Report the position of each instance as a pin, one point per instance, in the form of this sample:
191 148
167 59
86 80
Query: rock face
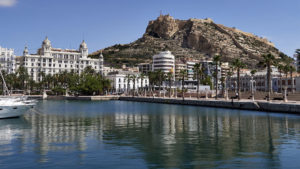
193 38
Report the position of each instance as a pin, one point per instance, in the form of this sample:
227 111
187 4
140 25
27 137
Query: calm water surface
119 134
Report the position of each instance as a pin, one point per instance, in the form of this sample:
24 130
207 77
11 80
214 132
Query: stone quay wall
279 107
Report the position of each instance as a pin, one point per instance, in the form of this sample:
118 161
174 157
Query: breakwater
281 107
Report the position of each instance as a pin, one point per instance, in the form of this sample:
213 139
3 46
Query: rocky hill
193 38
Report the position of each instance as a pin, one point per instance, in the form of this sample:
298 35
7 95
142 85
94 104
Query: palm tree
170 78
23 77
152 79
128 78
216 61
286 70
198 70
133 78
268 61
182 75
160 77
238 65
292 70
142 77
280 69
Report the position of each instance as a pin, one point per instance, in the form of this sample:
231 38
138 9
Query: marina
125 134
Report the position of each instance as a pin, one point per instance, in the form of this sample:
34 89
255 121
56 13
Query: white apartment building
190 69
7 60
54 60
164 61
179 66
119 81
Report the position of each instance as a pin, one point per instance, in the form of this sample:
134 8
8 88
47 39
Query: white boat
13 106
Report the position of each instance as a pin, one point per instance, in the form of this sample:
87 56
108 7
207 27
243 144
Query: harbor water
123 134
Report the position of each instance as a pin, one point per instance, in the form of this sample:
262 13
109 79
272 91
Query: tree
238 65
216 61
170 78
292 70
23 77
152 79
198 72
182 75
128 79
133 78
142 77
280 68
268 61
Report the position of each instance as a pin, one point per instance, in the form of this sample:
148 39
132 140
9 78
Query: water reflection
159 135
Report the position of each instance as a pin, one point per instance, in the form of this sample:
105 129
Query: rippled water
119 134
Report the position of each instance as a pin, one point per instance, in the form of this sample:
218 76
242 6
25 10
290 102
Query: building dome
83 45
25 50
47 42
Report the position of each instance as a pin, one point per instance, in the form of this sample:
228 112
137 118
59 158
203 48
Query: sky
103 23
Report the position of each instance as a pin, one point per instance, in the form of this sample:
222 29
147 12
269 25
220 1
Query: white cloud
7 3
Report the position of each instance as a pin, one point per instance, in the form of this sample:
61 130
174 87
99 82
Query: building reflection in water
172 136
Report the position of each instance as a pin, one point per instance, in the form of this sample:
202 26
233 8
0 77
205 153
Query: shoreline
291 107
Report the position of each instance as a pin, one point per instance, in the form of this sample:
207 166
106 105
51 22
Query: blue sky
103 23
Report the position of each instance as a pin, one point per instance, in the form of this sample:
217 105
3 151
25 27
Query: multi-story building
260 80
54 60
164 61
145 67
179 66
119 81
190 69
7 60
107 70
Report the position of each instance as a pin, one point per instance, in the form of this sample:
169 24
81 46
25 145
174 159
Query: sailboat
10 106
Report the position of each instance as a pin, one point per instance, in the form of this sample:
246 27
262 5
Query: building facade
179 66
7 60
145 68
54 60
164 61
190 69
119 81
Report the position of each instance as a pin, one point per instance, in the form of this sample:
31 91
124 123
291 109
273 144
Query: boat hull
13 111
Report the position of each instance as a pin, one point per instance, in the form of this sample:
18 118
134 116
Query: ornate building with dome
55 60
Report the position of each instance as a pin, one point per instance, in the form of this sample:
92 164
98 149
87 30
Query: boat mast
5 89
